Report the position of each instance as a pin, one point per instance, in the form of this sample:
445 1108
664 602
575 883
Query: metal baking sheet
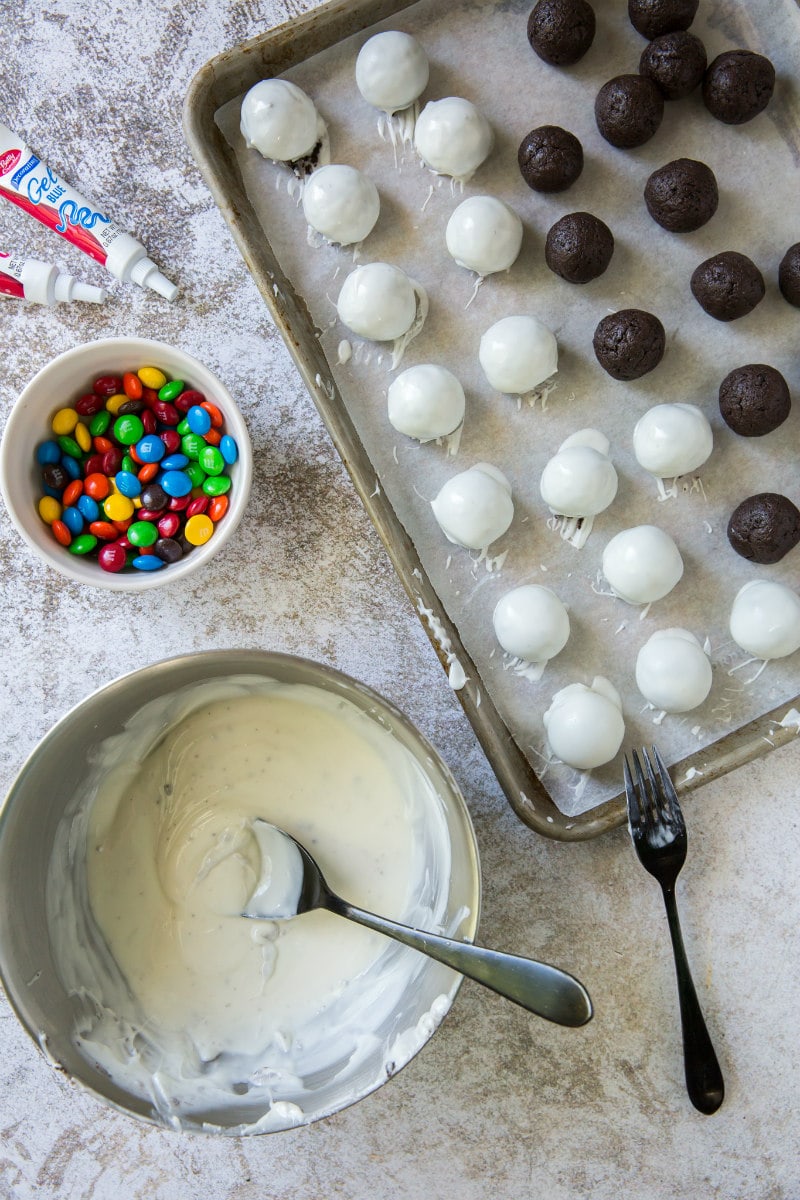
227 77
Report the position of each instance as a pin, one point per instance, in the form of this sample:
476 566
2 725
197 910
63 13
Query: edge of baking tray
230 74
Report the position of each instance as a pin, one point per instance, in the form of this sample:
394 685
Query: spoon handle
541 989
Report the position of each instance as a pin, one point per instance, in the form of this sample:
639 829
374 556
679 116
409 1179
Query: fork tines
653 800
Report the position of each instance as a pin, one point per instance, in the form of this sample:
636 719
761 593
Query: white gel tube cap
580 480
484 235
518 354
341 203
452 137
672 439
475 507
765 619
531 623
672 671
146 274
391 71
280 120
426 402
584 724
642 564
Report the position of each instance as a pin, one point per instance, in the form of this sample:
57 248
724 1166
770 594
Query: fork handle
704 1081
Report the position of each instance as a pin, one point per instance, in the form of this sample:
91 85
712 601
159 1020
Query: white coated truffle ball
584 724
475 507
426 402
280 120
580 480
341 203
378 301
531 623
672 439
484 235
672 671
642 564
452 137
391 71
517 354
765 619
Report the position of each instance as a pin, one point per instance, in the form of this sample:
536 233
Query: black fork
658 832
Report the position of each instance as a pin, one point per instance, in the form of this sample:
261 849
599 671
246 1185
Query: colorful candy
135 471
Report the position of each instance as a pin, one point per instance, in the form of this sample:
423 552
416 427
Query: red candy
149 421
112 461
149 514
166 413
89 404
93 465
198 505
107 385
112 556
169 524
179 503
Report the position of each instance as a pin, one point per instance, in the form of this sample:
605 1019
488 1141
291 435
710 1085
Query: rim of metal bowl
334 679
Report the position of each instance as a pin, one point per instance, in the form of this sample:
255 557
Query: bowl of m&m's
126 464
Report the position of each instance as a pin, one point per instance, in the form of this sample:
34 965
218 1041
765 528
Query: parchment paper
478 49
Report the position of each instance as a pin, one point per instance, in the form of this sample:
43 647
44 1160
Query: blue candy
128 483
198 420
150 448
176 483
174 462
88 508
73 519
147 562
71 466
48 452
228 449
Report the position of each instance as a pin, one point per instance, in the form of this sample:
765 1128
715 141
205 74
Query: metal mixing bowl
35 806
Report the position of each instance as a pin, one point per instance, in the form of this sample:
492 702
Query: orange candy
71 492
217 419
105 530
132 386
102 445
96 486
61 533
147 472
213 437
217 508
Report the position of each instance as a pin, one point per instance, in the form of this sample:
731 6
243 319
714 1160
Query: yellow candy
64 422
115 403
198 529
151 377
118 507
82 436
49 509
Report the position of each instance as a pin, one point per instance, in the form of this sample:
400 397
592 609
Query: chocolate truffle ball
682 195
728 285
675 62
579 247
654 17
629 343
628 110
754 400
789 275
764 528
550 159
738 85
561 31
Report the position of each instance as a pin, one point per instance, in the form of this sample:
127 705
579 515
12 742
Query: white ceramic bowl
63 381
34 812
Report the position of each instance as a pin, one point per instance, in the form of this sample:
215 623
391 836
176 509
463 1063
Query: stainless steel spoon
295 884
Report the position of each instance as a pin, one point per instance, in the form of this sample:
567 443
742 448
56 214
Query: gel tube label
35 187
10 272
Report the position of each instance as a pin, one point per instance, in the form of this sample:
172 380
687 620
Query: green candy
70 446
217 485
128 429
211 460
84 543
142 533
192 444
184 427
100 423
196 474
128 464
171 389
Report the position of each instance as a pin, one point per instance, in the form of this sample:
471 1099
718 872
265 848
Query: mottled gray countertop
498 1102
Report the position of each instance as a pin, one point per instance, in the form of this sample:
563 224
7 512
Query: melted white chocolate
188 1001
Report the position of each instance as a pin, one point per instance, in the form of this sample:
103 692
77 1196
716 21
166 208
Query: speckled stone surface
498 1103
